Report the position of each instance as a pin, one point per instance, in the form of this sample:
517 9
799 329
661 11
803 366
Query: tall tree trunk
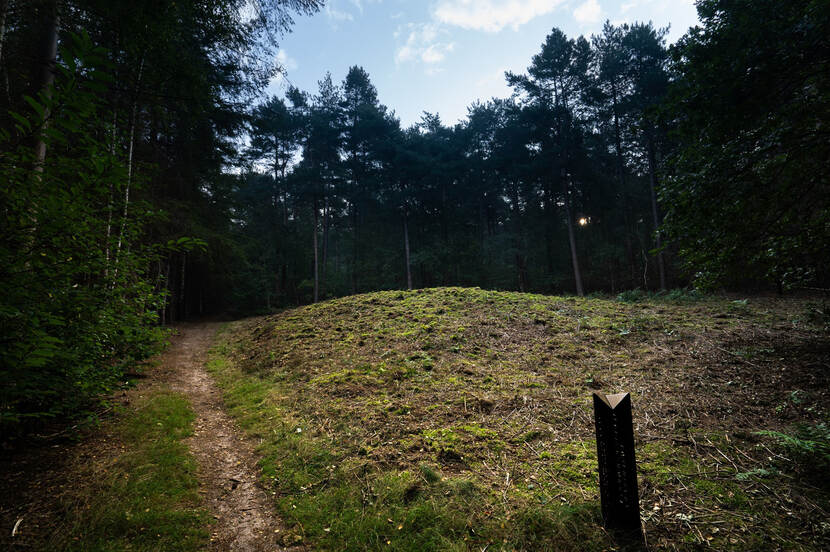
46 55
279 181
655 213
521 265
111 200
316 259
356 234
44 79
182 300
326 210
572 239
406 250
444 229
547 207
629 246
130 149
164 316
4 10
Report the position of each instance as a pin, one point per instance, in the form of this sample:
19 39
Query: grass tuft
144 499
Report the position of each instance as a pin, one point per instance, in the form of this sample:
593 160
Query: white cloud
588 12
422 44
660 6
628 6
285 61
338 15
435 53
491 15
280 80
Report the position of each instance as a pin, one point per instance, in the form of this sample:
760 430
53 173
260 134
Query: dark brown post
617 467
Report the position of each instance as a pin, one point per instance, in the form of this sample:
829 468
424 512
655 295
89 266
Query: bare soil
228 469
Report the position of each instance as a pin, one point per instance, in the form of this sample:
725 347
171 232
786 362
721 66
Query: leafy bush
678 295
77 305
683 295
809 447
632 296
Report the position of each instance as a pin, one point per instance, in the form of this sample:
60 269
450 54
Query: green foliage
806 450
809 443
679 295
632 296
747 189
77 306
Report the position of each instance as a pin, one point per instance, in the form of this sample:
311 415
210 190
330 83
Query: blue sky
442 55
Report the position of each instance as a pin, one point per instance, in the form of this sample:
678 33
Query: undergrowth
145 498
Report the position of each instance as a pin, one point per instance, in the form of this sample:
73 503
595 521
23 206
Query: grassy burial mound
460 419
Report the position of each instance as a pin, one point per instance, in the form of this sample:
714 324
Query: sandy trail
228 471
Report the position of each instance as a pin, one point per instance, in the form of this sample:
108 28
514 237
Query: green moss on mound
458 419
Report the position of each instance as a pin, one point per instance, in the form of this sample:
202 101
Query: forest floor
167 469
461 419
449 419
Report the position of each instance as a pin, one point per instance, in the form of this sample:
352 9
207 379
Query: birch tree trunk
47 53
130 149
44 79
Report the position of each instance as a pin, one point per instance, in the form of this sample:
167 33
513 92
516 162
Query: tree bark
164 308
4 10
406 250
43 81
572 239
110 201
325 263
521 265
316 260
621 179
46 56
655 213
182 310
355 246
130 149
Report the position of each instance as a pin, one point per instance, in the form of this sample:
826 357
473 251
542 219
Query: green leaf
37 106
24 122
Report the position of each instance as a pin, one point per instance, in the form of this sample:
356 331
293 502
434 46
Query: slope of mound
456 417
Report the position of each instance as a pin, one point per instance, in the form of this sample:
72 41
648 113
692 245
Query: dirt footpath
228 471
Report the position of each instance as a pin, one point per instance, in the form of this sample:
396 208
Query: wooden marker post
617 467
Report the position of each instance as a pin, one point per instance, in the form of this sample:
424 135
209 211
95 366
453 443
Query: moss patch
458 419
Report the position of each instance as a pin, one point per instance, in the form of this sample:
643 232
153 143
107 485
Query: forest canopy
140 187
